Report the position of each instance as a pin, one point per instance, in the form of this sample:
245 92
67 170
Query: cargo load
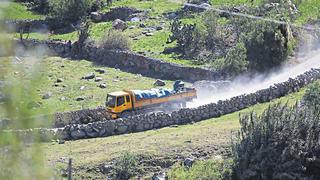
152 93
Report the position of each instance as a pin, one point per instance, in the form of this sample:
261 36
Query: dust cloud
246 85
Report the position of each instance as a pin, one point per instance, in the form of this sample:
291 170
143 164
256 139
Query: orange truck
128 102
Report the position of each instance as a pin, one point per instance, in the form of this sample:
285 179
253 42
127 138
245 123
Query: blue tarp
152 93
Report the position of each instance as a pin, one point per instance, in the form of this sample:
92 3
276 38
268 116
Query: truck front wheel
126 114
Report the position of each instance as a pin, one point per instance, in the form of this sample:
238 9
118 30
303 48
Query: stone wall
102 128
83 116
132 62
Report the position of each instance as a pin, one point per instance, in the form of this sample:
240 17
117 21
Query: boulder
89 76
103 86
77 134
80 99
98 79
149 34
172 16
47 95
59 80
105 168
96 16
159 28
188 162
142 25
122 13
118 24
159 176
159 83
135 19
101 71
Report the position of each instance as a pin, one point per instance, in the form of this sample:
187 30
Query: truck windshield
111 101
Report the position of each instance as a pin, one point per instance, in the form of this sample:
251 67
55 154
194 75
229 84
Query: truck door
121 105
129 102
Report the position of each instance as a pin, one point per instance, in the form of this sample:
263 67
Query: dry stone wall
132 62
102 128
83 116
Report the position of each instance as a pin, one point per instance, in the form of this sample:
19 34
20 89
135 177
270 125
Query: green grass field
15 10
65 93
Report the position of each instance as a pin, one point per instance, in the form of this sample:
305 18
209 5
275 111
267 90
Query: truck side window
120 100
128 99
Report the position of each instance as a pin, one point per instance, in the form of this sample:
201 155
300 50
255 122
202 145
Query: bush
236 60
69 11
201 40
312 95
265 42
283 143
114 39
40 6
126 166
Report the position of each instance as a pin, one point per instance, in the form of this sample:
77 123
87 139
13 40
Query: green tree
69 11
236 60
266 43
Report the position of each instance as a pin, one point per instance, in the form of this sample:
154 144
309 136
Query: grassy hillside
15 10
158 147
154 45
64 94
309 10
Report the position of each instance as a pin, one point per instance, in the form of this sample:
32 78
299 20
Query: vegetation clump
282 143
236 45
312 96
126 166
210 169
114 39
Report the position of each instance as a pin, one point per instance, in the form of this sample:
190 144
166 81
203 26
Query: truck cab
118 102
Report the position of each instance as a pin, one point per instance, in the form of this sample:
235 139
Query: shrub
40 6
312 95
200 39
282 143
69 11
114 39
266 43
236 60
125 166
